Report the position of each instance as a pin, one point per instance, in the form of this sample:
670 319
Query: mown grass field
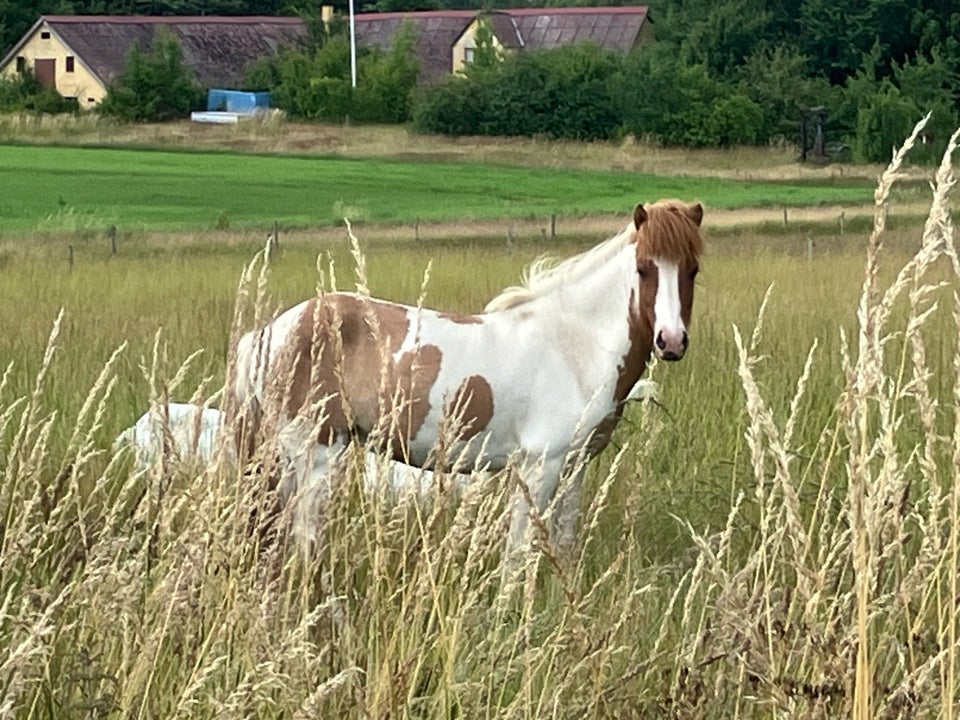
66 188
775 538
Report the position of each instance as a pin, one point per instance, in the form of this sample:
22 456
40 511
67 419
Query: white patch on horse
669 332
177 432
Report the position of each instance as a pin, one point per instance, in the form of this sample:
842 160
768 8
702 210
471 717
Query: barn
80 55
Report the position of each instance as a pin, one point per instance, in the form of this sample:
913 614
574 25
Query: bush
562 93
735 119
315 83
154 85
882 123
24 92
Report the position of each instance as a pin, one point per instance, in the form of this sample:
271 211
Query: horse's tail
243 410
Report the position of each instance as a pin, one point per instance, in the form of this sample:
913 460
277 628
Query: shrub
882 123
736 120
24 92
561 93
315 83
154 85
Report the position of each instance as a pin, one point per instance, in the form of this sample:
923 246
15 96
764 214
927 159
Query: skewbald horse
541 376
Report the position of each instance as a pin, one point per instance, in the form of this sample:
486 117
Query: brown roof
612 28
218 49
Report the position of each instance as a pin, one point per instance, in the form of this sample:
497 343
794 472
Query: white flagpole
353 48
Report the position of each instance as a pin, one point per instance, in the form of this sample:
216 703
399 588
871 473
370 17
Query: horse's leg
306 467
540 476
567 512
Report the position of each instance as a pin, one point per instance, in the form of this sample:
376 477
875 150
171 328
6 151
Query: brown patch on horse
472 406
342 350
413 376
461 319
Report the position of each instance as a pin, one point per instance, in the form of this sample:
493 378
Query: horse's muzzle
672 345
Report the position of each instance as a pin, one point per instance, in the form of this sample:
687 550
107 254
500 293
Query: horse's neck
591 311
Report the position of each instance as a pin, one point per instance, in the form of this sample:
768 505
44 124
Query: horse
538 379
184 433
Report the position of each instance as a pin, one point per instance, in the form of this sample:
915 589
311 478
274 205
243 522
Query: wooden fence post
112 234
70 257
553 226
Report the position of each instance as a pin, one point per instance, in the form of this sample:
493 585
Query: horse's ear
639 216
694 211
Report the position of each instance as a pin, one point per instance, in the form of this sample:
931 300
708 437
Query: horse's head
668 247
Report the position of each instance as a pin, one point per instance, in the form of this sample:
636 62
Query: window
44 34
69 63
21 64
468 55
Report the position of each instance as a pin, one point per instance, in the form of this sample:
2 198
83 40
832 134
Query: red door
46 72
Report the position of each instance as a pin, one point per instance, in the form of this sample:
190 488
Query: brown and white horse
540 376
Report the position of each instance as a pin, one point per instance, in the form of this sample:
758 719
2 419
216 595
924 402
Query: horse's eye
642 272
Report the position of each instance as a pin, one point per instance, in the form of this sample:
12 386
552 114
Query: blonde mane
666 233
546 273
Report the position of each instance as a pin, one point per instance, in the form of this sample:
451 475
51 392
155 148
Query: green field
776 537
56 188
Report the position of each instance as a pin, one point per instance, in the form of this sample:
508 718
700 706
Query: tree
883 122
154 85
775 78
314 83
837 33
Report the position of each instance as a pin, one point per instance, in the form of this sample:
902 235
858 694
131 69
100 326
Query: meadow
57 188
775 537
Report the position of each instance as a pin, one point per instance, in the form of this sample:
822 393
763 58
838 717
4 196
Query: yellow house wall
469 41
81 83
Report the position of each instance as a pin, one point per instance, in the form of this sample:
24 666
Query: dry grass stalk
827 589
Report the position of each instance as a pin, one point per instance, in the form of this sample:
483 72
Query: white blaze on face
669 332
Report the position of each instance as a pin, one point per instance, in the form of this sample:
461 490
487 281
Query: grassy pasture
52 188
756 550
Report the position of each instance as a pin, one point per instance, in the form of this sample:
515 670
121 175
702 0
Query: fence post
784 215
70 257
112 234
553 226
842 221
276 236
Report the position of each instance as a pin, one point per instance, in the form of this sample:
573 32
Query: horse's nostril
684 341
660 341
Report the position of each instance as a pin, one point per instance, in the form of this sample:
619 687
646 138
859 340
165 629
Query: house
80 55
446 39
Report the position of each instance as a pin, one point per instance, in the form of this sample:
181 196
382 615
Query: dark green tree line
720 72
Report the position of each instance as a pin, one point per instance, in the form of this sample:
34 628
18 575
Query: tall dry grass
827 588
